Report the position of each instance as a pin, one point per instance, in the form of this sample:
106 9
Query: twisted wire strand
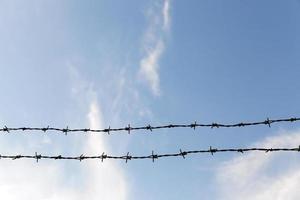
128 128
152 156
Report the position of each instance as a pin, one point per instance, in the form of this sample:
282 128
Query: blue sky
110 63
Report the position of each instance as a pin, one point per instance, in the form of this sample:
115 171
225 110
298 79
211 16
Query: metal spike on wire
152 156
149 127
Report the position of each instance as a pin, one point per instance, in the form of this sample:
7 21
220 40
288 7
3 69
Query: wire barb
149 127
103 156
81 157
107 130
16 157
128 128
128 157
37 157
44 129
86 130
268 122
194 125
65 130
240 151
215 125
182 153
269 150
212 151
5 129
154 156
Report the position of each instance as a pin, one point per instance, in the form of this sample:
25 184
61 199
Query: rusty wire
152 156
129 128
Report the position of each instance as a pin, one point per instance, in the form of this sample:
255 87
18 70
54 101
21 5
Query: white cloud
27 180
56 180
106 180
149 67
166 14
154 45
262 176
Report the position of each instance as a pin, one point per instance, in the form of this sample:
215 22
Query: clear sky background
110 63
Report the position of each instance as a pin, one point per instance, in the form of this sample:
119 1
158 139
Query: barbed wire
152 156
128 128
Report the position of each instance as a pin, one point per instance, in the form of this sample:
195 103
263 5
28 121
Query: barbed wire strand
152 157
128 128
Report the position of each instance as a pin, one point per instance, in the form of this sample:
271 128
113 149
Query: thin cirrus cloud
153 45
166 15
262 176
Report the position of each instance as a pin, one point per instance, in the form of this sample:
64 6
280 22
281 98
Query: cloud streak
166 15
106 180
262 176
154 45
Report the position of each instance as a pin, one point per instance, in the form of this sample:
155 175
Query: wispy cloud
106 180
28 180
154 44
263 176
56 180
166 15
